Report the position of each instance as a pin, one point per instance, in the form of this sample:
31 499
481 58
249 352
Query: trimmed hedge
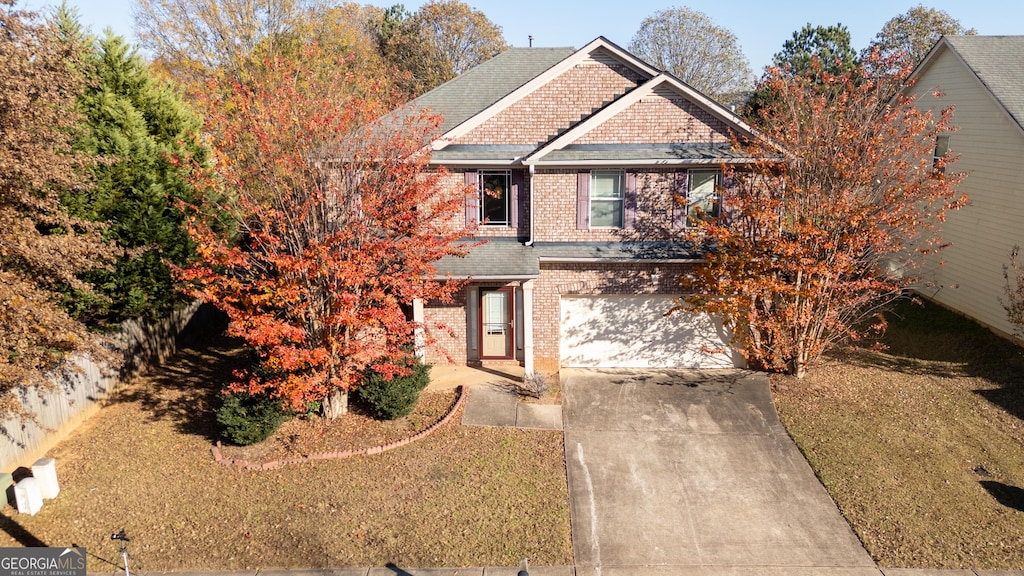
391 399
248 419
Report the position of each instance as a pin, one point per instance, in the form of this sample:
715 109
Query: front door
496 322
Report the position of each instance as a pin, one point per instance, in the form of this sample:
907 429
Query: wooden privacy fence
81 385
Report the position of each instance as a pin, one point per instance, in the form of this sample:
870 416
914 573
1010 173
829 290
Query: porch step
486 363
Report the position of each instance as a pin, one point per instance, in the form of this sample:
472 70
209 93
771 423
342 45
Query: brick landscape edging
337 455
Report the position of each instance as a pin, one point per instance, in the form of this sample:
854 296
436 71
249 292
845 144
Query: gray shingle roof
682 151
617 250
509 258
998 61
455 153
498 258
476 89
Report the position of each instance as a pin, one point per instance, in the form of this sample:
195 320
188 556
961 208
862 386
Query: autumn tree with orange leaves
831 223
338 221
43 249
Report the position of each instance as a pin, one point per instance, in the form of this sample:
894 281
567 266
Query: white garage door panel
633 332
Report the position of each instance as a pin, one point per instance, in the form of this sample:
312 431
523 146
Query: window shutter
729 185
472 200
629 202
472 321
513 198
583 200
678 191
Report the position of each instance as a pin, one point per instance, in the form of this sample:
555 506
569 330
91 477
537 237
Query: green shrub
250 418
390 399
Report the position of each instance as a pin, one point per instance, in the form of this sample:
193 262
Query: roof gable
483 85
996 62
470 114
663 142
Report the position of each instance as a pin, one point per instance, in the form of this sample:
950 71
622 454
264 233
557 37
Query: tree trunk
336 404
798 367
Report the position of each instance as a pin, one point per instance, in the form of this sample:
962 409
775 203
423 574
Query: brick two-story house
589 166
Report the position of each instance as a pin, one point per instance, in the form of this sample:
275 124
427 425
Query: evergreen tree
830 45
137 125
816 51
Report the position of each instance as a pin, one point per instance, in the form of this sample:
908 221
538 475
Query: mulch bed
357 430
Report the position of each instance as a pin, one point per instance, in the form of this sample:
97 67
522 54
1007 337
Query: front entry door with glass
496 322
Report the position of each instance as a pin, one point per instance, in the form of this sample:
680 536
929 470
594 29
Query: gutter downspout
528 299
530 241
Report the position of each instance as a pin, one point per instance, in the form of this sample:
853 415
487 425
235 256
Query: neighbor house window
494 201
606 199
941 147
703 200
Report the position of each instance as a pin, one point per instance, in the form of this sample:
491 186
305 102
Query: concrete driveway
687 472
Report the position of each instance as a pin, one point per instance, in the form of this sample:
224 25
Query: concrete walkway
495 405
492 401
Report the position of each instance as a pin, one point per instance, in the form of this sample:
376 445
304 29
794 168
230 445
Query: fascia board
928 59
470 163
945 46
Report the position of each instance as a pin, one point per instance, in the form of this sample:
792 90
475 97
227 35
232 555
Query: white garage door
633 332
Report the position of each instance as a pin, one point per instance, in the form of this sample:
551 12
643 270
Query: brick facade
446 325
552 108
555 209
450 325
455 179
450 322
656 119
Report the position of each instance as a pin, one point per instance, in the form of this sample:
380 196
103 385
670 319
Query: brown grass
922 446
462 496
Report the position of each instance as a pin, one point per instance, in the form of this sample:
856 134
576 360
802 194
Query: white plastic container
45 473
27 496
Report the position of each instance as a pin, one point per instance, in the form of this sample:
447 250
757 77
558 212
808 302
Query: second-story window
494 201
606 199
703 199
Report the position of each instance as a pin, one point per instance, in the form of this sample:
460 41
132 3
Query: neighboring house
983 76
592 166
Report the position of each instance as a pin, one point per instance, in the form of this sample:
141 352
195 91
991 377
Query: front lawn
921 446
459 497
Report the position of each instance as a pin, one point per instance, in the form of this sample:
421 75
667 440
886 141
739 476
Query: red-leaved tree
833 220
337 221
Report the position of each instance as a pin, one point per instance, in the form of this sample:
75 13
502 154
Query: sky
760 26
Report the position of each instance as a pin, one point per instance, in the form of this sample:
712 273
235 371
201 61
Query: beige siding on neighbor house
967 276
